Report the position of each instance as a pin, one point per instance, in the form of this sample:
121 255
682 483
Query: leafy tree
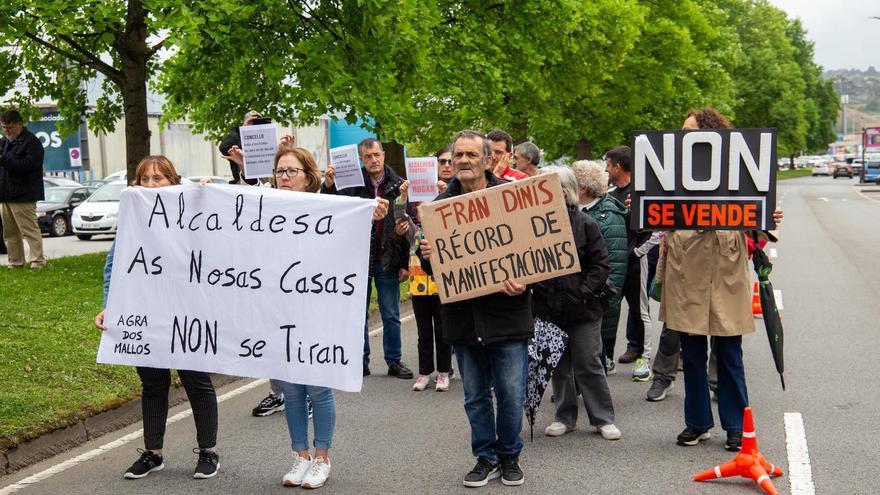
820 99
58 45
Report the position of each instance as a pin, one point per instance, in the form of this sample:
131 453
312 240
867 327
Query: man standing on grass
21 186
490 337
388 262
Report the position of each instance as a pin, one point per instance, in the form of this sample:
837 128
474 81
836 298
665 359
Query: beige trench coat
706 283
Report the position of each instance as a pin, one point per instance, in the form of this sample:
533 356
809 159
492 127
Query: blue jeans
504 365
388 289
297 412
733 396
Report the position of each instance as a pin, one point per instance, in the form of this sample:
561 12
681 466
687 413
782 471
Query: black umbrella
772 321
545 351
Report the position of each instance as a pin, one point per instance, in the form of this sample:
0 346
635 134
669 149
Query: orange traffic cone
756 303
749 463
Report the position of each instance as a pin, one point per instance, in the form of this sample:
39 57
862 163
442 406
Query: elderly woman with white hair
610 214
574 302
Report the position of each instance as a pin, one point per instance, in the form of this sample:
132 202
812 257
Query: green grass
48 342
48 372
792 173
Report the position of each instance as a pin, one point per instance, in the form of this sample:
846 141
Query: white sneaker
442 382
421 383
609 432
297 472
318 473
557 429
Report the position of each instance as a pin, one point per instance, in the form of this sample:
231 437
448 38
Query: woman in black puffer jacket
574 302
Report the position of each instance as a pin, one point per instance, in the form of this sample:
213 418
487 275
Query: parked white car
821 169
100 213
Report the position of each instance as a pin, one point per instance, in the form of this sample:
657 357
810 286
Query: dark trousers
733 395
430 328
668 352
154 405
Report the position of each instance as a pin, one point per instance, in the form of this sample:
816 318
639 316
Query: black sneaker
734 441
147 463
511 474
209 463
482 472
660 386
691 437
366 369
270 405
400 370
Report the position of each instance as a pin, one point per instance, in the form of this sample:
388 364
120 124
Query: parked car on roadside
59 181
821 169
872 172
98 214
842 169
53 213
120 175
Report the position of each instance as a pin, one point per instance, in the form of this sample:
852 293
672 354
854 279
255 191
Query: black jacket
575 298
634 237
393 252
485 319
21 169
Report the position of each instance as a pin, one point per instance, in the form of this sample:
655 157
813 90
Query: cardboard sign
259 144
422 176
708 179
348 167
519 231
243 281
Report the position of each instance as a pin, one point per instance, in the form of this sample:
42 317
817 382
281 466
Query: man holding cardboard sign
486 314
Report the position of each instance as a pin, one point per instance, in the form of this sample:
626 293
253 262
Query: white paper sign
348 167
259 144
75 157
242 281
422 176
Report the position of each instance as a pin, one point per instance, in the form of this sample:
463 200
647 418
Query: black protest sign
707 179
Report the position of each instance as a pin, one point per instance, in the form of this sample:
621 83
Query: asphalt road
390 439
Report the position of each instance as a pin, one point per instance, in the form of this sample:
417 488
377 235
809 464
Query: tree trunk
520 132
394 157
132 50
583 150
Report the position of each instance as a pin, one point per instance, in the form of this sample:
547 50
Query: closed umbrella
772 321
545 351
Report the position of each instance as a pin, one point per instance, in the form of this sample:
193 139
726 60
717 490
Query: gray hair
591 176
369 143
568 180
468 134
530 152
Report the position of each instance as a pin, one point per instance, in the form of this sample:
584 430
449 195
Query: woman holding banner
151 172
574 303
295 170
706 293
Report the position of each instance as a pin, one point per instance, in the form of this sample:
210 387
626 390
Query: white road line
774 253
377 331
777 295
800 474
36 478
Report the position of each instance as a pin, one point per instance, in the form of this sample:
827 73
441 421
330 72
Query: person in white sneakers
575 303
423 292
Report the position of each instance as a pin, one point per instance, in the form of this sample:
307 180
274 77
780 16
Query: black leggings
154 404
430 328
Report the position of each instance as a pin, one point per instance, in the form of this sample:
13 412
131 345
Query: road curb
26 454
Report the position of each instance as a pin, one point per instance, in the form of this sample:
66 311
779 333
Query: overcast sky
845 37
